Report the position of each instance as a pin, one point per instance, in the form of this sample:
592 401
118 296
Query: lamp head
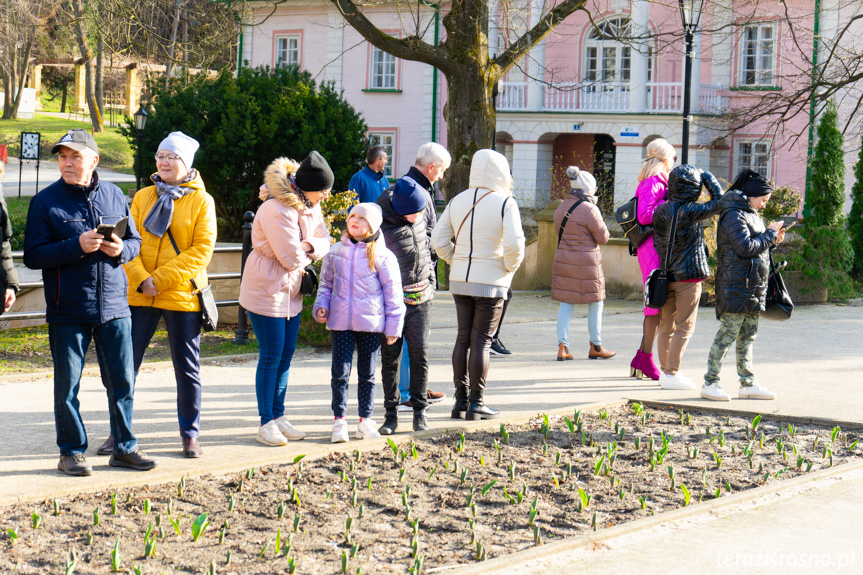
141 118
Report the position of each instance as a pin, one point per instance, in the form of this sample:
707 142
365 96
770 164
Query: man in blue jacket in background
370 182
85 297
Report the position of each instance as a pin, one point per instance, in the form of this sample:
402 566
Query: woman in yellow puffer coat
159 278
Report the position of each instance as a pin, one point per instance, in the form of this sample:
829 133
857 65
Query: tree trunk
100 77
95 114
7 96
470 124
63 101
20 79
169 65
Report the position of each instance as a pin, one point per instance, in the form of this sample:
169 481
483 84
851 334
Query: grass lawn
114 150
25 350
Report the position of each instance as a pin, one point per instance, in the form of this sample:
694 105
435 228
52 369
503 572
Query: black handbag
656 287
778 305
627 218
209 310
309 281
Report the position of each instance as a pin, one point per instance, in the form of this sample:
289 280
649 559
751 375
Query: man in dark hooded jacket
742 249
686 264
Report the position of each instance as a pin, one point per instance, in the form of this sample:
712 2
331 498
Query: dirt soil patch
446 501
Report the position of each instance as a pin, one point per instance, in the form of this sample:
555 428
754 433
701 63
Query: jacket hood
582 195
734 200
684 184
489 169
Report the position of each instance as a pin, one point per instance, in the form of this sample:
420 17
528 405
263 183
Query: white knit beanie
581 180
371 213
182 145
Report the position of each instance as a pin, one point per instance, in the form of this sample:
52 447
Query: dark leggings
503 313
478 318
651 325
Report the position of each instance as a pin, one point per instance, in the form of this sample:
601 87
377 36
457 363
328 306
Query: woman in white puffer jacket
485 223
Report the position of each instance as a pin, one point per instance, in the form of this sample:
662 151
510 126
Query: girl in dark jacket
687 265
743 247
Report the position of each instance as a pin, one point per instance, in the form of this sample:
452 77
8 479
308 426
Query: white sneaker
340 431
675 381
367 429
755 391
288 430
269 434
714 392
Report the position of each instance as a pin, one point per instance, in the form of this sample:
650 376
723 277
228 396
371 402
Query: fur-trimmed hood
279 187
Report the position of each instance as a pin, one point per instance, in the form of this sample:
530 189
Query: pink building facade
590 94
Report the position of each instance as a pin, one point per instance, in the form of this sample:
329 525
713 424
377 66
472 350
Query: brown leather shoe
563 353
599 352
106 448
191 447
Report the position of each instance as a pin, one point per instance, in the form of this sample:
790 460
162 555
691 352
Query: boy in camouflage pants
743 246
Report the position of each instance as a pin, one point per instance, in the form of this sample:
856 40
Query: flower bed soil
508 478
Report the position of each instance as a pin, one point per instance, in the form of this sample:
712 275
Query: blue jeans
405 374
277 340
368 345
184 338
594 322
69 343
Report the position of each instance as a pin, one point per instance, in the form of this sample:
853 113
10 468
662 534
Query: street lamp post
690 14
140 122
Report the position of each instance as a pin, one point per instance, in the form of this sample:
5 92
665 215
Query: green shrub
826 194
18 217
855 218
825 254
784 201
243 123
312 332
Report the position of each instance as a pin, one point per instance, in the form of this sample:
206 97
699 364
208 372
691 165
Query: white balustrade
662 97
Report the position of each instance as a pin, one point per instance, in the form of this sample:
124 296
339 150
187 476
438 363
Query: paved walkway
814 362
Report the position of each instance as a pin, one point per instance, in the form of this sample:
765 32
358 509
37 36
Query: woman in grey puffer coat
743 253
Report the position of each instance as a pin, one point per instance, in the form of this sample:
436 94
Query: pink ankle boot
647 367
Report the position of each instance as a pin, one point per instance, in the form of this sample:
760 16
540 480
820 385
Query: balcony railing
662 97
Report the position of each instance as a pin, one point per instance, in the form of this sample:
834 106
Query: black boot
420 421
391 422
477 409
460 405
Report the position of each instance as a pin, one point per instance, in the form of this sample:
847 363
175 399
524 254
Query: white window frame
278 50
755 154
606 59
757 51
384 70
388 138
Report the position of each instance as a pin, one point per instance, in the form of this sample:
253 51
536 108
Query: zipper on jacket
92 211
351 289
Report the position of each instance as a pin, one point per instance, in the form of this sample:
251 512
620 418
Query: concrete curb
511 562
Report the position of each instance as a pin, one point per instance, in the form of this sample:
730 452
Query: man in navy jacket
85 297
370 182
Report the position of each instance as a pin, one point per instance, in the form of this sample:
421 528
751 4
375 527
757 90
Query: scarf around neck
159 219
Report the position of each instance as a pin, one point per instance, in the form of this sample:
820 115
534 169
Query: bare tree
78 22
19 32
464 59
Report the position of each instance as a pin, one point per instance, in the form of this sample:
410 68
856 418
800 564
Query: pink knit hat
371 213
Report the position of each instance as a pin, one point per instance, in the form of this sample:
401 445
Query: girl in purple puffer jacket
359 298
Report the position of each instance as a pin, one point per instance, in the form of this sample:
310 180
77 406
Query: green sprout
199 526
401 474
113 504
504 434
36 520
169 509
643 501
531 517
176 523
297 523
149 548
686 496
536 538
584 498
13 535
116 557
264 550
96 519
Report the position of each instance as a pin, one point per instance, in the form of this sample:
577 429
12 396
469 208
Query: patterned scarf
299 192
159 219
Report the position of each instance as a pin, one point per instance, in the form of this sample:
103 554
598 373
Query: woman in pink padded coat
652 191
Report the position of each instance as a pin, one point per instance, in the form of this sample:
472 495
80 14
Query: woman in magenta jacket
652 191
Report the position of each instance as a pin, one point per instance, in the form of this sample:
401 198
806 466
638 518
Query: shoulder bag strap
469 212
176 249
674 211
565 219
